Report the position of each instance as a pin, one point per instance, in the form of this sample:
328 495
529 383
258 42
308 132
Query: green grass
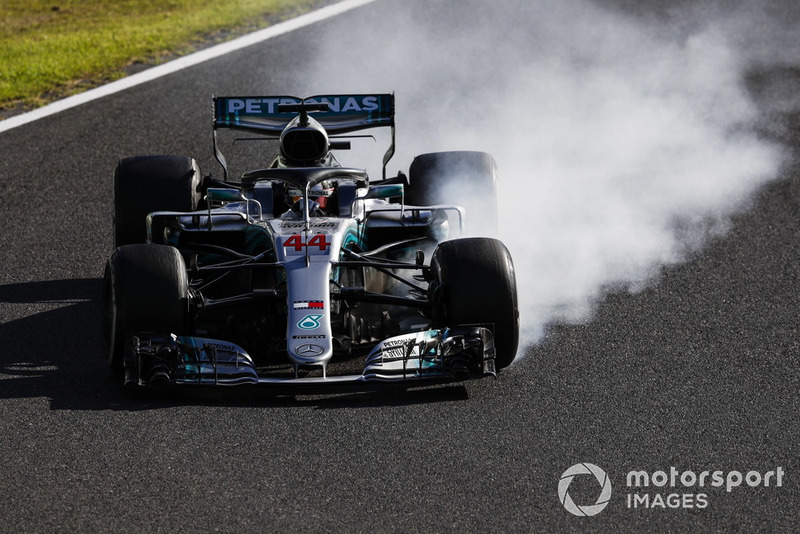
54 48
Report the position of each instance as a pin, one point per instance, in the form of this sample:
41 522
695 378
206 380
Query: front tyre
145 289
474 284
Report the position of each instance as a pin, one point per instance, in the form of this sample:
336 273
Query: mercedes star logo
310 350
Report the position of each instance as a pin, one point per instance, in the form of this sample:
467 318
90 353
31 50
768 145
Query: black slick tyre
464 178
145 289
144 184
474 284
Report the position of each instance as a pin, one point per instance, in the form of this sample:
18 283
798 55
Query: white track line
183 63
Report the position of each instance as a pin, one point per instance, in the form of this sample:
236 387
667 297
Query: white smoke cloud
622 142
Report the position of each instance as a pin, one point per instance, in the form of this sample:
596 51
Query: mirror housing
386 191
224 194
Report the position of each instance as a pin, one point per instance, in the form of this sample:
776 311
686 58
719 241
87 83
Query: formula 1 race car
305 274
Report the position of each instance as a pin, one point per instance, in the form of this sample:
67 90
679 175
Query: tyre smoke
624 141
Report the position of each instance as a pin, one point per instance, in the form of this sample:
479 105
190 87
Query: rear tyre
474 284
145 289
464 178
144 184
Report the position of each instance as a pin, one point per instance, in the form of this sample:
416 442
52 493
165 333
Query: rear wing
262 114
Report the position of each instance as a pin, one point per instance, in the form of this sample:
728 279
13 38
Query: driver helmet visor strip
319 193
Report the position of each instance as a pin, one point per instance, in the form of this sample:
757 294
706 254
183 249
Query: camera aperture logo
588 509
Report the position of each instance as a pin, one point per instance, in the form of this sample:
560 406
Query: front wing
428 357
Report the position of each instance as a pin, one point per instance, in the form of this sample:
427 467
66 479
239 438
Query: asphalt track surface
699 371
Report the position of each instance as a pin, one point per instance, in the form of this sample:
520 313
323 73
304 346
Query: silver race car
305 274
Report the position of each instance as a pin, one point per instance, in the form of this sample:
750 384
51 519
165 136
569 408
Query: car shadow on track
53 350
254 396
